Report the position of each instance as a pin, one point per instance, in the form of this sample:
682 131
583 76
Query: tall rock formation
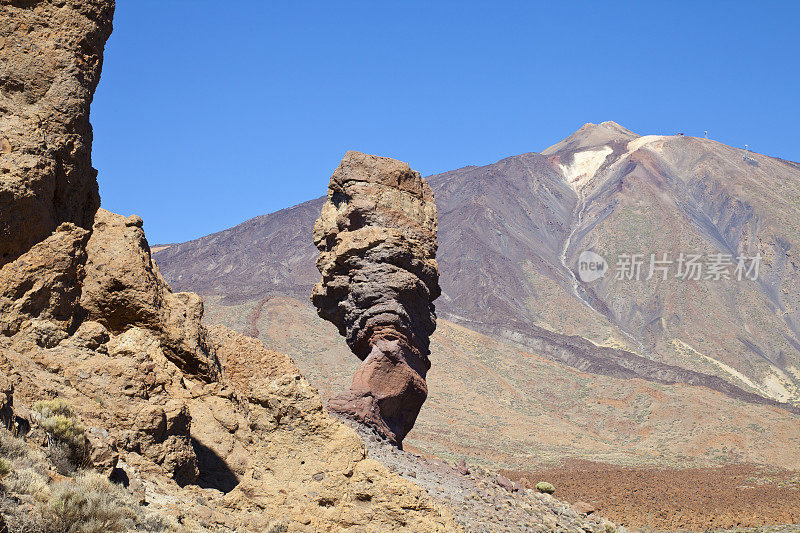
377 240
51 55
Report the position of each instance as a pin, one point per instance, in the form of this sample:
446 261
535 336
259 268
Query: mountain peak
592 135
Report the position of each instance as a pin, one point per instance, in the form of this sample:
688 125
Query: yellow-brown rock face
51 54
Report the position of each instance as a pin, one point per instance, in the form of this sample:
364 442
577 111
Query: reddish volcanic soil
685 499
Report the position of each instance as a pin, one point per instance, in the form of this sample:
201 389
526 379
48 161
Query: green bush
5 468
544 486
56 406
66 429
59 420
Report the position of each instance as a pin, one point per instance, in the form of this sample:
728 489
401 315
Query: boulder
90 335
102 450
505 483
377 240
584 508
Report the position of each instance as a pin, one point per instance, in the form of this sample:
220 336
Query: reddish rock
505 483
584 508
377 240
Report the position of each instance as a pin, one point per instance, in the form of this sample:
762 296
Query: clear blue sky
210 113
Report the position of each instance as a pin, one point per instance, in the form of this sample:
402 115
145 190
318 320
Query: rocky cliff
51 55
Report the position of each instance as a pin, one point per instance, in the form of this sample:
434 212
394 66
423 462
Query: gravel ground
721 498
484 501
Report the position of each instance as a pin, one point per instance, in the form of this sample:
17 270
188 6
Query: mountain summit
592 136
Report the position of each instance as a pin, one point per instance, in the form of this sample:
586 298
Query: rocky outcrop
51 54
377 240
252 443
124 289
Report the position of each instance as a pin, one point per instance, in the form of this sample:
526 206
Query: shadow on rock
214 471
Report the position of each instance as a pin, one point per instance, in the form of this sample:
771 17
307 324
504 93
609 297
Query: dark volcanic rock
377 242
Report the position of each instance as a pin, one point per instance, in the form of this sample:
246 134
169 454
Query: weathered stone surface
45 282
90 335
377 240
102 448
124 289
50 63
505 483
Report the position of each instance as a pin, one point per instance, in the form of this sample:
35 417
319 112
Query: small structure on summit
377 241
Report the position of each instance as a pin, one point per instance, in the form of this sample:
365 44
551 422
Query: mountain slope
510 238
673 195
269 253
492 402
511 234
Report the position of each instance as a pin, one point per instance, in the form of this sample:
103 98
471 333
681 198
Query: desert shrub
65 429
12 447
64 458
25 481
544 486
58 419
22 469
16 521
89 504
56 406
154 523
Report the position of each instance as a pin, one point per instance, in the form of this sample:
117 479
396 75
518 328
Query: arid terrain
730 497
493 402
510 237
121 409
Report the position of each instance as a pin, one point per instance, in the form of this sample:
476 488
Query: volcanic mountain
677 335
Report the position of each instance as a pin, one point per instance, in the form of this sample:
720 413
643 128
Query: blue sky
211 113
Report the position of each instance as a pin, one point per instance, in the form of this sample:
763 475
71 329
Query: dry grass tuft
89 504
